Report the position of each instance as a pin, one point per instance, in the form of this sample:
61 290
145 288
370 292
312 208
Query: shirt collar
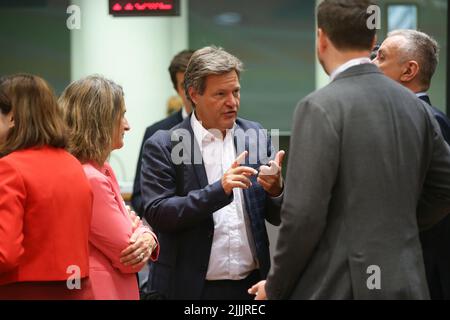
203 135
347 65
421 94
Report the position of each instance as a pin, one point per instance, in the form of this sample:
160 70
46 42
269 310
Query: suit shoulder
9 164
164 124
93 174
160 137
248 124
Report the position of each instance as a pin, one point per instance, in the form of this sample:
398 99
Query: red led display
128 8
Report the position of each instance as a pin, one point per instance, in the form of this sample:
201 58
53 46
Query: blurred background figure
45 198
177 68
174 104
411 57
119 243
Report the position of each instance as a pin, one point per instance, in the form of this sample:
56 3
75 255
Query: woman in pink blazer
120 244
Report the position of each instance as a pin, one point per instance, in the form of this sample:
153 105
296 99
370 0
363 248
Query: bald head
409 57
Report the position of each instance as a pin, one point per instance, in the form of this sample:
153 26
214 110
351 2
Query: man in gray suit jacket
367 169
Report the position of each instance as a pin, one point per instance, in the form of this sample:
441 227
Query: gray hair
422 48
205 62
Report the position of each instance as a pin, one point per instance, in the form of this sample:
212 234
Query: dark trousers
230 289
436 256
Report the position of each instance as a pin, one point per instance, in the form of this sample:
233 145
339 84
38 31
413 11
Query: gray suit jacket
367 168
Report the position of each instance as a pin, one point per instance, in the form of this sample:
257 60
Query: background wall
135 52
35 40
274 39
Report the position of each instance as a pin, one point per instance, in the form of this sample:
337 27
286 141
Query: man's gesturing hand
270 177
237 176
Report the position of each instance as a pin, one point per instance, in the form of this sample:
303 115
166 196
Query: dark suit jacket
179 205
165 124
436 241
444 122
367 167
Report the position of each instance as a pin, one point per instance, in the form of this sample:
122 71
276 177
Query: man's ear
193 94
410 70
322 40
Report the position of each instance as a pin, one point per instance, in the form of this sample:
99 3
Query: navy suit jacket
436 241
165 124
444 122
179 203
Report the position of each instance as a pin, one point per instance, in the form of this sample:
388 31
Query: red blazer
45 214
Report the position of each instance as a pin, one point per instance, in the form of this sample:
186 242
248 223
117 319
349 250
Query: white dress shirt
231 254
421 94
347 65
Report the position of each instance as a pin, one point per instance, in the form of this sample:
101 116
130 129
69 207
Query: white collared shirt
347 65
231 255
421 94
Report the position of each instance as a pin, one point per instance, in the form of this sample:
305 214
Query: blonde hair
92 108
37 118
174 104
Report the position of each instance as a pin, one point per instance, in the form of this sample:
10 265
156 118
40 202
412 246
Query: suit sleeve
434 203
136 197
12 199
110 228
165 211
311 174
445 126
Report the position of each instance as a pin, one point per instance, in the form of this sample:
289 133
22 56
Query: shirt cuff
279 198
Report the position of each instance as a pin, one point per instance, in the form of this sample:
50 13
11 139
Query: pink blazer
111 229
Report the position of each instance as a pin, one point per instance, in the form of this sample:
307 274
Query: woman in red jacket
45 198
120 245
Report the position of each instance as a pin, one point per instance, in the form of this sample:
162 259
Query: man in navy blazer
208 186
410 57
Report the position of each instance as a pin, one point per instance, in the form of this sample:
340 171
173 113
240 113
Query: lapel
194 156
241 143
247 142
196 166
